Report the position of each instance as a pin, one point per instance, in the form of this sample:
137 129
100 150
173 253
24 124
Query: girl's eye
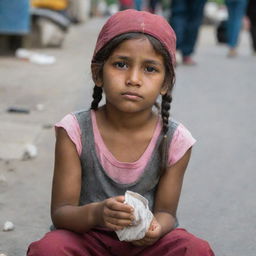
150 69
120 64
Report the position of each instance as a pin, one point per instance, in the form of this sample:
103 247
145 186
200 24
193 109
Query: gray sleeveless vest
97 185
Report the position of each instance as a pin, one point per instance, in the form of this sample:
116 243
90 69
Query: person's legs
67 243
252 18
152 5
236 12
194 20
253 36
138 5
179 243
178 20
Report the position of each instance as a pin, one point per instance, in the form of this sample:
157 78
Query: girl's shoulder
71 124
82 115
182 140
173 125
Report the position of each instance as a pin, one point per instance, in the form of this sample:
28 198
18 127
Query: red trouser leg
179 242
105 243
66 243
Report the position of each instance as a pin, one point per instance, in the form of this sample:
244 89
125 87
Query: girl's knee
53 243
197 246
193 245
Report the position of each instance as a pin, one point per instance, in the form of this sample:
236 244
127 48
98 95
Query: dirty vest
97 185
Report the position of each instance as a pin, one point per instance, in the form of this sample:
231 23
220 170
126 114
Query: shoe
232 53
187 60
178 58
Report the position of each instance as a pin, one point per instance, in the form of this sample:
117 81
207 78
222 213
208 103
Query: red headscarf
138 21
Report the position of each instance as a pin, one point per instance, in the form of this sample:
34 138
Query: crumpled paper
143 217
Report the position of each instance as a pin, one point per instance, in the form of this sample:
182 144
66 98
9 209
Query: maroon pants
105 243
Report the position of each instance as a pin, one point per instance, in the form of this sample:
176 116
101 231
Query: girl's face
133 76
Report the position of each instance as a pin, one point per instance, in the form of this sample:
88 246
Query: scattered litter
8 226
42 59
47 126
30 151
2 254
2 179
34 57
18 110
40 107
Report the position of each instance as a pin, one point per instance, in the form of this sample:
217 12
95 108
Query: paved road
215 100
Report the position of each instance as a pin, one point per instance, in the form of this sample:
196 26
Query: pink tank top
123 172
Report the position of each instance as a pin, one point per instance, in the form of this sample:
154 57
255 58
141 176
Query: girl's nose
134 78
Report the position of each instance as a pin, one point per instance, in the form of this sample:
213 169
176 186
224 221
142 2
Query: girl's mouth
132 96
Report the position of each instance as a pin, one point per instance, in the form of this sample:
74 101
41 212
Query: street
215 100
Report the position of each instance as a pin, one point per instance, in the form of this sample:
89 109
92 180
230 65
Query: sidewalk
25 186
215 100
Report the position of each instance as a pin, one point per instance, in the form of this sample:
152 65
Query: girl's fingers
119 214
118 222
114 227
120 199
117 204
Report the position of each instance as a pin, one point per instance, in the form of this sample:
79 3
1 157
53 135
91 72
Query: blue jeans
186 18
152 5
236 12
138 4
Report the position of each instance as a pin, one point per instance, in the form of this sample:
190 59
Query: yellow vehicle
56 5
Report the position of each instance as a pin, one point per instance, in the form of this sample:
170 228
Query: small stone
30 151
8 226
40 107
7 162
2 178
47 126
2 254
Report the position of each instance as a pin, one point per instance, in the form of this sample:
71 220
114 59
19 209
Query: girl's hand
153 234
115 214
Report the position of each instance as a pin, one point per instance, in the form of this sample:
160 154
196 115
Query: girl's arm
65 210
168 194
166 201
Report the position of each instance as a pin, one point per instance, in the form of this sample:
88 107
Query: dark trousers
186 18
251 13
236 12
152 5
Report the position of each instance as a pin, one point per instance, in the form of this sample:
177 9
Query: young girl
123 145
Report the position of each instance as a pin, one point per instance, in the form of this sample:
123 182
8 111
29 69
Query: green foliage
166 4
219 2
109 2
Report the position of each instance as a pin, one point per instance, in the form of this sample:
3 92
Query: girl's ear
96 76
164 88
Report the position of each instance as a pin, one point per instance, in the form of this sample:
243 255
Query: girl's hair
169 80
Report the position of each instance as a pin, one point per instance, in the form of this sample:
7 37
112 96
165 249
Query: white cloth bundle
143 217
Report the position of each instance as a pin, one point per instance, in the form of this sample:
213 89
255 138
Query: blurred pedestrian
236 12
152 5
138 4
186 18
251 14
125 4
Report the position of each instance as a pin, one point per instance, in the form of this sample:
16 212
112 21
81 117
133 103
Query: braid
97 96
165 109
